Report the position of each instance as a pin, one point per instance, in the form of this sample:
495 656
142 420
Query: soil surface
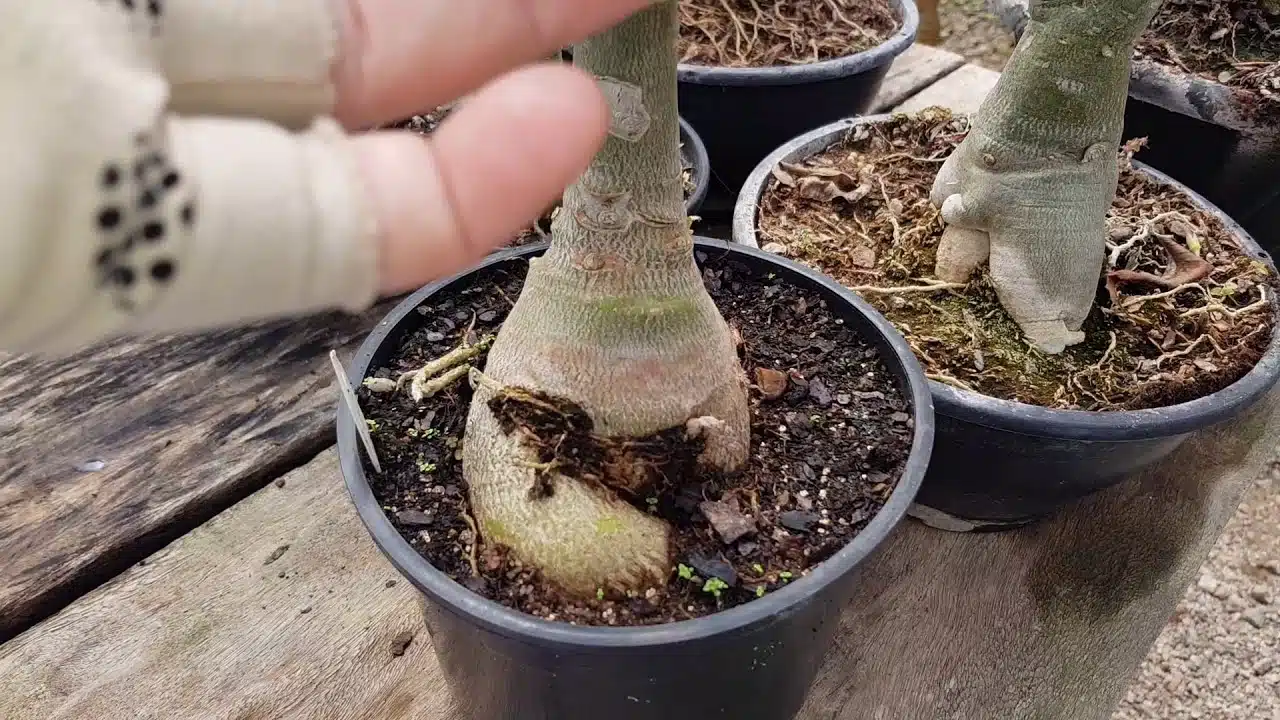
830 435
746 33
1236 42
1182 311
541 230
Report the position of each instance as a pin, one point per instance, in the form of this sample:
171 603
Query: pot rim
701 166
498 618
1164 86
1022 418
820 71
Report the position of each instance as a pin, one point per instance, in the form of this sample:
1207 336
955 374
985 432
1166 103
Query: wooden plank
962 91
214 627
976 625
182 427
913 71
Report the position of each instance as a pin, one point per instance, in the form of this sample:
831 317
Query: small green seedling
426 468
686 572
411 432
431 433
759 591
785 576
600 593
716 586
373 425
758 568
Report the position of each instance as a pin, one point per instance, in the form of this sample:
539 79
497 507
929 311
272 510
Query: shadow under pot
743 113
1000 463
744 654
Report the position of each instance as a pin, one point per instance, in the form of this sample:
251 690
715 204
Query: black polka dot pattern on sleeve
147 211
149 12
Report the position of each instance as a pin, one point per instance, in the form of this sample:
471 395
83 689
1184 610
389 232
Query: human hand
500 159
214 186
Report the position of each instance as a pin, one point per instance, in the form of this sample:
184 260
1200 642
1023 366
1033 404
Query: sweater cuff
282 227
272 59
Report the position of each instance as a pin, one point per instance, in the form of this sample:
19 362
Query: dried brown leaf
1187 268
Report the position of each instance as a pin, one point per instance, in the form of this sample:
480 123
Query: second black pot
695 152
752 662
744 113
999 464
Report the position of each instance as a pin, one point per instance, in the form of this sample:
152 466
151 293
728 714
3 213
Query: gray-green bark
615 318
1029 189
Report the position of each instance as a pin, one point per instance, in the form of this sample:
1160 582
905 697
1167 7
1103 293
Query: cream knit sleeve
118 215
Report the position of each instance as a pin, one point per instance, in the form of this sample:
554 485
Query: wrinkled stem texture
1029 188
615 318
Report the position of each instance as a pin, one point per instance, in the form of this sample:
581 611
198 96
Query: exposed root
474 544
561 437
929 286
749 33
420 381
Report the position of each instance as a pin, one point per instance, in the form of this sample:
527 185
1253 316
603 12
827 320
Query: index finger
400 57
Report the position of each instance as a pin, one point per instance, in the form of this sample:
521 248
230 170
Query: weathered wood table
177 544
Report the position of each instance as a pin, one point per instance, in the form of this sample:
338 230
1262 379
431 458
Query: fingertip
498 162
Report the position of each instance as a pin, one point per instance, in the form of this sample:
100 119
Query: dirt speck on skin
827 452
1181 312
749 33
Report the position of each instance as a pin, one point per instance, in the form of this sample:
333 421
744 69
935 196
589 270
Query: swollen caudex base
1039 221
584 404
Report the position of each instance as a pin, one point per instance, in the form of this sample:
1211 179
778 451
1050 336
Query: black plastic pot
754 661
1203 134
695 152
998 463
744 113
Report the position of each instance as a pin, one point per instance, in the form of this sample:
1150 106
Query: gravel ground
1219 657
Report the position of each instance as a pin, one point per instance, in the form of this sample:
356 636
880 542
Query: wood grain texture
913 71
213 628
1044 623
184 427
962 91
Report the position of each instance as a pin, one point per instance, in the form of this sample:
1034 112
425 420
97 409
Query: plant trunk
1029 188
613 320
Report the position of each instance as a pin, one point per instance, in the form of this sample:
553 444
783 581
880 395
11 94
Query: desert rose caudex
613 342
1030 186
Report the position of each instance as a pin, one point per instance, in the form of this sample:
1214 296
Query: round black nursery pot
1002 464
755 661
695 152
744 113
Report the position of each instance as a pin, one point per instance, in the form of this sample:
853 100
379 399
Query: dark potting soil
1234 42
540 230
1181 312
830 437
747 33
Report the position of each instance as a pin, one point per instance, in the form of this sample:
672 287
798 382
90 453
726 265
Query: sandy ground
1219 657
